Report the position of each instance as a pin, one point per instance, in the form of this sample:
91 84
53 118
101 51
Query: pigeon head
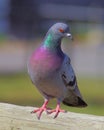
60 30
56 33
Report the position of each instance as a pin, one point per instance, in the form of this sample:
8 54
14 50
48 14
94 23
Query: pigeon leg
40 110
57 110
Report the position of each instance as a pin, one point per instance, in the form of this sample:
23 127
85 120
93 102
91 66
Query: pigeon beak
69 35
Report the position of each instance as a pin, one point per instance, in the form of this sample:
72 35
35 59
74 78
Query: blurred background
23 24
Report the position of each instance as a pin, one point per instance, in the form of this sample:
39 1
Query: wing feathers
73 96
68 75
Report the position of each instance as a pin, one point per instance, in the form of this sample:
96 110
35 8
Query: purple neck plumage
49 54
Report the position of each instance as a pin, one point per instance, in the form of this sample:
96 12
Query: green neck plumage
51 41
48 40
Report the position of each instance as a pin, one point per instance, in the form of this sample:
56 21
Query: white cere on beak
69 35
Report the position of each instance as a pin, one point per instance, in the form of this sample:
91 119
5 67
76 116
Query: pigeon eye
61 30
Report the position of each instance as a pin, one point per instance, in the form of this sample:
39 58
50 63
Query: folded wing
73 96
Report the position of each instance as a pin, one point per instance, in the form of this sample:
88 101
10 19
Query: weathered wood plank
13 117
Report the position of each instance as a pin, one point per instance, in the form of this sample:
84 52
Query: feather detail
67 74
73 96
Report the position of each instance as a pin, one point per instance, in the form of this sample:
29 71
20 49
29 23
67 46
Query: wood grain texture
13 117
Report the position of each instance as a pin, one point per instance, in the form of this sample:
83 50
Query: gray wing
73 96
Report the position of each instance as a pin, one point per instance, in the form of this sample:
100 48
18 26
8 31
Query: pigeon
50 70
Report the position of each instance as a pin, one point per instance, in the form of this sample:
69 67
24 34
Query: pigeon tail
77 103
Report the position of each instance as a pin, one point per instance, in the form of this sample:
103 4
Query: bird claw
44 107
40 110
57 111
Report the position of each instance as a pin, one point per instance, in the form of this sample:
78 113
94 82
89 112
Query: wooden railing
13 117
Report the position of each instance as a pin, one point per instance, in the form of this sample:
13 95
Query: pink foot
57 111
40 110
